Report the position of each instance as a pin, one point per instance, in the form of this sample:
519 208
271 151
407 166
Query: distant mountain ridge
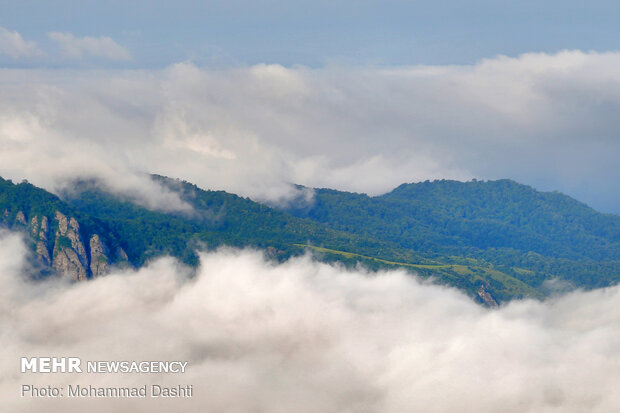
495 240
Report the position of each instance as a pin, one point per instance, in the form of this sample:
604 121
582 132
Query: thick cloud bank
546 120
308 337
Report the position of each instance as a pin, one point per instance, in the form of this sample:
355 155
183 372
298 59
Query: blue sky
317 33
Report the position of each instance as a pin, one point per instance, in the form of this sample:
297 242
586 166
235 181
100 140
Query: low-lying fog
307 337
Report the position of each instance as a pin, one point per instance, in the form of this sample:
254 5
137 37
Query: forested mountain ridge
503 223
496 240
458 217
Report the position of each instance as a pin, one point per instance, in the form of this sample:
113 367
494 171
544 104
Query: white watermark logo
74 365
50 365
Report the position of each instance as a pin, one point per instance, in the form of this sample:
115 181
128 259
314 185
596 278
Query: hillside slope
495 240
501 222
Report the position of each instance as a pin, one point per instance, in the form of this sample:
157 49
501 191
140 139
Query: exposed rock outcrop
39 235
66 251
34 225
98 256
69 251
121 254
20 218
43 242
43 253
44 230
62 222
67 261
486 297
73 233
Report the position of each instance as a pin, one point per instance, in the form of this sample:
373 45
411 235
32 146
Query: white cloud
14 45
548 120
81 47
309 337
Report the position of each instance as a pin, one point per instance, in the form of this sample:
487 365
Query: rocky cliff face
65 251
486 297
98 256
20 218
69 251
42 248
67 261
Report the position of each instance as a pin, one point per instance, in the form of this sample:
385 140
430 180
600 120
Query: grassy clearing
504 284
353 255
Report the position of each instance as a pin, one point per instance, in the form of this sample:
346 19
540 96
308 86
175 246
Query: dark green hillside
507 214
495 237
501 222
34 201
219 218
